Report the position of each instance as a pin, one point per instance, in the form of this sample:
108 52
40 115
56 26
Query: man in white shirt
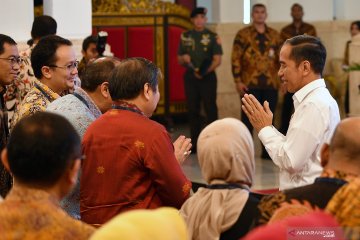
302 60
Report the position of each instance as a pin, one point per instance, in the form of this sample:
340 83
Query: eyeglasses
14 60
70 67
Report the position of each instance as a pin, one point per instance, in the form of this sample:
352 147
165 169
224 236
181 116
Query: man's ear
306 67
46 72
5 159
147 91
83 52
104 89
324 155
73 172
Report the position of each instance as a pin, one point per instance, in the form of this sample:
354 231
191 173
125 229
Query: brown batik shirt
5 177
255 58
291 30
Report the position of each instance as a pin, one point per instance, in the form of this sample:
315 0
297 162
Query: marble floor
266 173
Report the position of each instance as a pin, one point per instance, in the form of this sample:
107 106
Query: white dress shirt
298 153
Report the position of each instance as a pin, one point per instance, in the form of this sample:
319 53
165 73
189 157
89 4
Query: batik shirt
23 84
345 207
5 177
130 164
37 99
35 214
291 30
315 196
81 111
255 58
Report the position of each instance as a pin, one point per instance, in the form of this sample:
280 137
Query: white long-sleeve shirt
298 153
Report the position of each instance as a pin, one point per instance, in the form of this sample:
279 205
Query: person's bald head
346 138
343 152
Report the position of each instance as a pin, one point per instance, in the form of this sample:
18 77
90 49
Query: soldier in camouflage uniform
200 52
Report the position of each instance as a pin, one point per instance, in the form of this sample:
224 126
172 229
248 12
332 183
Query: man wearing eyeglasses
55 67
9 70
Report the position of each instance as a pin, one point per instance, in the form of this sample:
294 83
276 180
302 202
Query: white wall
347 9
73 17
16 17
212 7
315 10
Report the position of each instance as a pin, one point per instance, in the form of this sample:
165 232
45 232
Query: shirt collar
254 29
301 94
92 106
27 194
46 90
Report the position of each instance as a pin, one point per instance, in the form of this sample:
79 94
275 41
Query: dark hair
43 26
97 72
296 5
5 39
129 77
44 53
257 5
305 47
41 147
87 41
355 23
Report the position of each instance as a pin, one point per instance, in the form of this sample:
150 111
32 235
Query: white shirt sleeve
293 151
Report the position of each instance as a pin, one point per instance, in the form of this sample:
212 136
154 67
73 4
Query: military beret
198 10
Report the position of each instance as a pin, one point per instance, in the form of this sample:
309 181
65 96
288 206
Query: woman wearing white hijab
225 208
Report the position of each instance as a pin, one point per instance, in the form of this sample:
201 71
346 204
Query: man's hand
197 75
241 88
259 116
186 58
182 147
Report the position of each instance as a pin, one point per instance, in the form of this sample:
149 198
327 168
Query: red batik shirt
130 164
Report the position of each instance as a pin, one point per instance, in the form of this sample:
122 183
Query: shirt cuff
266 133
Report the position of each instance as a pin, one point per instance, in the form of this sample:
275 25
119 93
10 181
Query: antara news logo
312 233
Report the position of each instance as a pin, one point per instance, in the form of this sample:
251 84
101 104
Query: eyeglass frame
70 67
13 60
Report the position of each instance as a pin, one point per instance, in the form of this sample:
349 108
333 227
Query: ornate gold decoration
159 55
119 21
180 22
127 7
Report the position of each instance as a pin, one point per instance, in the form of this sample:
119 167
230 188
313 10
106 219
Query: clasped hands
259 116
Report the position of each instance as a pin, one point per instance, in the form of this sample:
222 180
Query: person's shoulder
65 101
208 31
79 230
187 33
287 28
272 30
246 30
308 25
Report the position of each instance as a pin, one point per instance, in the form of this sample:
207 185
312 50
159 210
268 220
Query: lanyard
81 99
128 108
44 93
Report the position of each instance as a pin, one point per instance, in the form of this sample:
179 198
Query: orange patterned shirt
255 58
34 214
